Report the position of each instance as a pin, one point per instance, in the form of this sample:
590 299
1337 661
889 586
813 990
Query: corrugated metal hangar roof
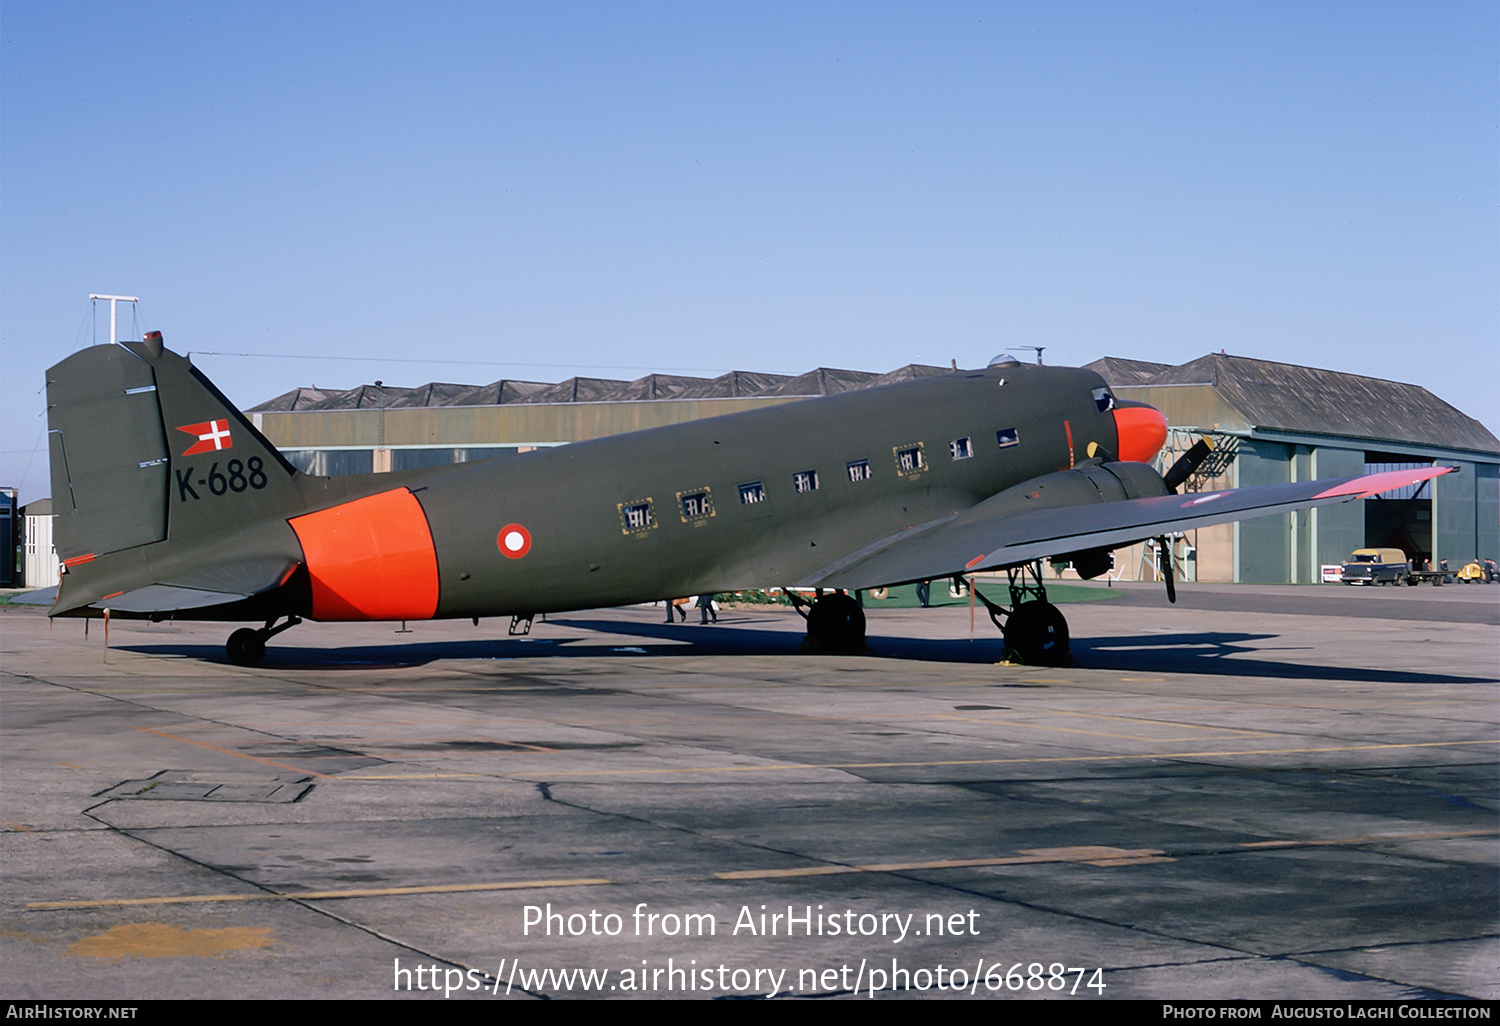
1291 398
735 384
1267 395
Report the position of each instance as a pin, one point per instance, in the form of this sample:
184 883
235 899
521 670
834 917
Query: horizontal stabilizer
208 586
164 598
242 577
44 597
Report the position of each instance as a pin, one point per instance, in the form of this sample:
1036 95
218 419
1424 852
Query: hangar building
1284 422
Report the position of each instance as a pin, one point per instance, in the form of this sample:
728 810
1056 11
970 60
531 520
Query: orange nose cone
1142 431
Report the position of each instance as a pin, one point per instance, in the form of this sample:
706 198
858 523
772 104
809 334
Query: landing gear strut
247 646
835 622
1034 629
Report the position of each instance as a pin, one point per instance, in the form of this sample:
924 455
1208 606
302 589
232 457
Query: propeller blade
1165 552
1100 453
1188 462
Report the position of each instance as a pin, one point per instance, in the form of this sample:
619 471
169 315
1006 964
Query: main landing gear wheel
1035 631
1038 633
246 647
836 624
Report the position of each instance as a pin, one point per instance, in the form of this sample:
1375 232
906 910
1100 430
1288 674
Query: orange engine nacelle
1142 431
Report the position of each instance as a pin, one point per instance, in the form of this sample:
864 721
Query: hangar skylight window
752 493
805 480
859 470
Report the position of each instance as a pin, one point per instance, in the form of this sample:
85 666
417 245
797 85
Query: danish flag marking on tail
212 436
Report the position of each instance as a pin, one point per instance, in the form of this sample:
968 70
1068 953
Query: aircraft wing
988 538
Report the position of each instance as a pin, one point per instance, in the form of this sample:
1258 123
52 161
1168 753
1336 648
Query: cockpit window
1103 399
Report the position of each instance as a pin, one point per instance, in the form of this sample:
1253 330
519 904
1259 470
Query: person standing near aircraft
706 607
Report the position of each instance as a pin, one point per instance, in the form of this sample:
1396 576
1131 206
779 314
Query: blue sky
545 189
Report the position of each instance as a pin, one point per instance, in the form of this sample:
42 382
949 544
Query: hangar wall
1291 548
1262 549
1487 510
1339 529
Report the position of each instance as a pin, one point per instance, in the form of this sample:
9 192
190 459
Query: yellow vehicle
1472 573
1375 566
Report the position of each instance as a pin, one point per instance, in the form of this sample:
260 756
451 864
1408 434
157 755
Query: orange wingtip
1373 484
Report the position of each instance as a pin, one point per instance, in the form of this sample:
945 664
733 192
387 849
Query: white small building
41 561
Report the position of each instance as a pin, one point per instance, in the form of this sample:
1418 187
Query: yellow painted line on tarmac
780 767
553 774
197 690
1097 855
1101 733
367 892
498 774
1153 720
892 684
783 874
237 755
1447 835
1094 855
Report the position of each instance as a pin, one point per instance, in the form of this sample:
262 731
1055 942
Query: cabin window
805 481
637 516
909 459
1007 437
859 470
696 505
961 448
752 493
1103 399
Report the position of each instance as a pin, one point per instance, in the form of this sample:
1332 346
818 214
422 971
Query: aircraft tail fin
145 449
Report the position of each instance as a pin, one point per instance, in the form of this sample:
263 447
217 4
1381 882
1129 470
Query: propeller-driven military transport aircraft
170 504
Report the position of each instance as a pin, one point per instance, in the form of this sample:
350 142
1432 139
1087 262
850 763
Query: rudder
223 472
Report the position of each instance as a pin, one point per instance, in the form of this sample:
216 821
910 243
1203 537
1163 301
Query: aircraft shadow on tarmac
1211 653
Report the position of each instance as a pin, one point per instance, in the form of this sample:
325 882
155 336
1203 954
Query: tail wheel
246 647
1038 633
836 624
